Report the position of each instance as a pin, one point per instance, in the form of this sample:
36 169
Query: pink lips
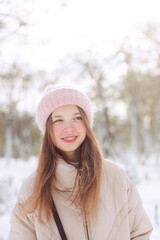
69 139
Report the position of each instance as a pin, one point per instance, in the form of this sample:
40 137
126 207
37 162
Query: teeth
71 138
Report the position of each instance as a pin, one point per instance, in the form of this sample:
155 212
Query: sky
59 27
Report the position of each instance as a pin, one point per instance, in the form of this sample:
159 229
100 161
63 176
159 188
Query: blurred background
108 49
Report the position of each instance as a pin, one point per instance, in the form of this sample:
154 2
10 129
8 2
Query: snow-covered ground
13 173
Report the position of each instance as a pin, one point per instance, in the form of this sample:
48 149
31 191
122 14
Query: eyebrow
59 116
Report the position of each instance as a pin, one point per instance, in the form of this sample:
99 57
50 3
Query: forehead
67 109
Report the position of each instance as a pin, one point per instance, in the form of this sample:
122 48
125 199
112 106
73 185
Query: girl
75 194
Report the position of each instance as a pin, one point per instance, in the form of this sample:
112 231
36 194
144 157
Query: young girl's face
68 129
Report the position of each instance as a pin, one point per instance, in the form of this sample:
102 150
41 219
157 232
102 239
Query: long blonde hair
90 169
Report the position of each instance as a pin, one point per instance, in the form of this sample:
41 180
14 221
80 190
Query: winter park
114 60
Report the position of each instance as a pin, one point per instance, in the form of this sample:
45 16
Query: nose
69 127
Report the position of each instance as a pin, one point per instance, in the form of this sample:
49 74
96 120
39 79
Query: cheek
57 131
81 128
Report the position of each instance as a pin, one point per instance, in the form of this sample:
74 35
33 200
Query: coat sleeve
140 226
21 227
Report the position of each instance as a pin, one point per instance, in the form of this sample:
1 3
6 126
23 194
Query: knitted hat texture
57 96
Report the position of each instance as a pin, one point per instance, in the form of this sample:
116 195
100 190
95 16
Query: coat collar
65 176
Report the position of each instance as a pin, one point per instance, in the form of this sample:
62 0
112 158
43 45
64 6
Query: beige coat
120 213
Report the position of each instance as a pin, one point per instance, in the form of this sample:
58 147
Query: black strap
58 223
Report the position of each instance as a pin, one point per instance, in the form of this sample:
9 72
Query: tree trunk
8 140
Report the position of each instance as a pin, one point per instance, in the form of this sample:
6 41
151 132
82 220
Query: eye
78 118
57 121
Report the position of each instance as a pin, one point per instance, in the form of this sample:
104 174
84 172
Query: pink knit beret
57 96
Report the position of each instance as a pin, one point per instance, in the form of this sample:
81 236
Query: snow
14 172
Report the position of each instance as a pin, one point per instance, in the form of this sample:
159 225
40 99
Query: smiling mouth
69 139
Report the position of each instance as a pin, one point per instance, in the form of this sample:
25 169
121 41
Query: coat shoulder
115 174
27 187
112 167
